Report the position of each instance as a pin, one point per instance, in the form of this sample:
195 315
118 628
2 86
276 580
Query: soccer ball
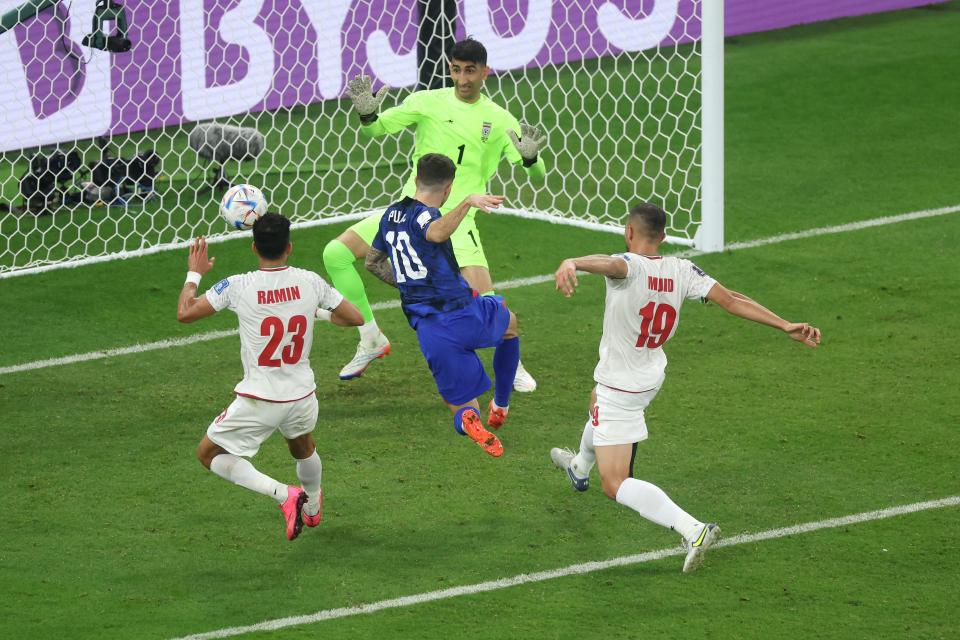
242 205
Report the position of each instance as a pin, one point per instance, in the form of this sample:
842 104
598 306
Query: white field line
605 227
576 569
178 244
210 335
328 219
508 284
843 228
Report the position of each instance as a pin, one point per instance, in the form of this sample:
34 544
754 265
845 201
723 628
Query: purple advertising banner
202 59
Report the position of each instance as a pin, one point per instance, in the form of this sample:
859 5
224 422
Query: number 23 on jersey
273 326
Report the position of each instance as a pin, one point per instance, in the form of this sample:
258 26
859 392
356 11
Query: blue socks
505 360
458 418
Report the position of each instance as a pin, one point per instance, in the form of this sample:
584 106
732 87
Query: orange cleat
292 511
475 431
497 416
314 520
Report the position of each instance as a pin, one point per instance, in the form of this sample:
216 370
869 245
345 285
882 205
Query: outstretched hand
485 203
198 260
803 333
360 91
530 141
566 278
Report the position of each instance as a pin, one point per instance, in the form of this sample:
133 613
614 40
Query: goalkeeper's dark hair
648 219
271 235
469 50
435 171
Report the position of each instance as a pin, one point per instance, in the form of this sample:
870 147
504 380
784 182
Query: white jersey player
645 292
276 307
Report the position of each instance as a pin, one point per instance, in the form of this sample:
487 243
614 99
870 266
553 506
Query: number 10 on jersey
406 262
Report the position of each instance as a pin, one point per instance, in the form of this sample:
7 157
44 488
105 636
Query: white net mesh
96 155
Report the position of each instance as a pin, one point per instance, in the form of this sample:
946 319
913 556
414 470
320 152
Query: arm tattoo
378 264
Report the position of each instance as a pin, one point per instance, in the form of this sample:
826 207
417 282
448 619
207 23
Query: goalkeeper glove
360 91
529 142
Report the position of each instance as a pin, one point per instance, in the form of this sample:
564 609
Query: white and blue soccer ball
242 205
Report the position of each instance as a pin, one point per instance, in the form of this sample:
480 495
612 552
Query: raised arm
190 306
525 150
566 275
441 230
378 264
740 305
367 106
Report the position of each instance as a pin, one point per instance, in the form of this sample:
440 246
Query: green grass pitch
111 529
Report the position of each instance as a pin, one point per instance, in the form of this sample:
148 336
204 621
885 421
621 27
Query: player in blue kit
451 321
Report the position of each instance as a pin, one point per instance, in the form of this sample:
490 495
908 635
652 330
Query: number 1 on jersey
656 324
462 148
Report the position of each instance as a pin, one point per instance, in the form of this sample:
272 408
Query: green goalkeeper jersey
473 135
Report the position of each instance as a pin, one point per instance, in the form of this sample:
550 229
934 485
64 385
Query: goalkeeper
466 126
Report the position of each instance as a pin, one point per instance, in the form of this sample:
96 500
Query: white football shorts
247 423
618 416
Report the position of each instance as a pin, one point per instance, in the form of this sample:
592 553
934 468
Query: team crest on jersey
485 132
220 286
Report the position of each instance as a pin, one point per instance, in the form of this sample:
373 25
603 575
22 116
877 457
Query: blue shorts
449 341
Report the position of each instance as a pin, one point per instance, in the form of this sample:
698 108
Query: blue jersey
427 273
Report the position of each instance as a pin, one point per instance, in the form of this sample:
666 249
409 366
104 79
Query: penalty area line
576 569
508 284
208 336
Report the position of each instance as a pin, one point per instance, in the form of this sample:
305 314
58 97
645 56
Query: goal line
306 224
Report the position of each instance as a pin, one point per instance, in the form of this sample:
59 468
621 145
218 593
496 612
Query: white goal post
103 156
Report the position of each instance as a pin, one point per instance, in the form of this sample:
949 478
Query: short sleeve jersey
473 135
427 273
641 313
276 309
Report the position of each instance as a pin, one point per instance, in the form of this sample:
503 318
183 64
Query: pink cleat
292 511
312 521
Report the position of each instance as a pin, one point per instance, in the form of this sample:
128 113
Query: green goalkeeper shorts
367 227
467 247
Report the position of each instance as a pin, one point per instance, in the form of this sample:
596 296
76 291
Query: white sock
369 332
652 503
583 462
309 470
239 471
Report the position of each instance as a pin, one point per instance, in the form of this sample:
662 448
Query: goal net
111 154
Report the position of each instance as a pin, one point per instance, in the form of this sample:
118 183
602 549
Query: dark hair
271 235
469 50
435 170
648 219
